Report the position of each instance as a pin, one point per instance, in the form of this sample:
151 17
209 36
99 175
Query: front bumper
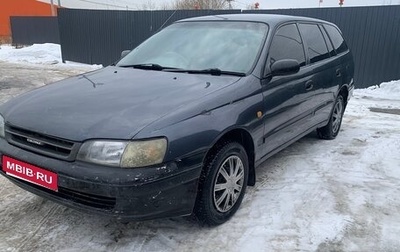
141 193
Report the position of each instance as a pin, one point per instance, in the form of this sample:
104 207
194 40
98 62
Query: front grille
42 144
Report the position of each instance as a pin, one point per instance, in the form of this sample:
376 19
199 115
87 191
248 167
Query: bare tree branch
149 5
200 4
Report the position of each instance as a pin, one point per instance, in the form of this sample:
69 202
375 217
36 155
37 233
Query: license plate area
30 173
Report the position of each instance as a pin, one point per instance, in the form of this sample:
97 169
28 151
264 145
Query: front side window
316 46
226 45
337 40
287 44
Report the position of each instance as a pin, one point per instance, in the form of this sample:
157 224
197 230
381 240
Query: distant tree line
188 5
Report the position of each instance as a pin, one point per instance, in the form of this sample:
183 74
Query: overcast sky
238 4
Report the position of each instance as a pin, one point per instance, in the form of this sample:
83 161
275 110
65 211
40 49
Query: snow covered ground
339 195
34 66
44 54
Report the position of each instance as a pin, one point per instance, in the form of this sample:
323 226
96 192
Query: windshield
227 46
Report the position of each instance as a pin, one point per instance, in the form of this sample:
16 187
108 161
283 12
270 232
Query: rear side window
287 44
316 46
337 40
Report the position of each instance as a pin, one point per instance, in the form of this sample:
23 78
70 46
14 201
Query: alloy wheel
228 183
337 116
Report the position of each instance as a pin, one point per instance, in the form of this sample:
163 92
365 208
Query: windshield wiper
212 71
157 67
148 66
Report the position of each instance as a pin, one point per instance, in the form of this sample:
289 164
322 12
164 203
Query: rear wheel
222 184
331 130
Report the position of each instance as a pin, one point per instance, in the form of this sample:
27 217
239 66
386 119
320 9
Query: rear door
344 59
323 72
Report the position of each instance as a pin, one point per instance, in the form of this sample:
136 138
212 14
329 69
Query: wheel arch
344 91
243 137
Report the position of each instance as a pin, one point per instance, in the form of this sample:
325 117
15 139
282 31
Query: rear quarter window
337 39
331 50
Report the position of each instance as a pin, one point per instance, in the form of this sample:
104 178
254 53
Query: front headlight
2 131
124 154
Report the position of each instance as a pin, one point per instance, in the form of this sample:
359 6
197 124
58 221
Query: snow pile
387 90
47 54
44 54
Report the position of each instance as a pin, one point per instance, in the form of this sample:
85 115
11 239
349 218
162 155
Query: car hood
111 103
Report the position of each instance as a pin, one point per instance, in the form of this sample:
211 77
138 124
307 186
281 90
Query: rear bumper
142 193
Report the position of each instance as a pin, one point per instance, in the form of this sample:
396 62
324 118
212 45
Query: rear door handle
309 85
338 72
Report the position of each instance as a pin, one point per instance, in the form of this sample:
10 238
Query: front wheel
331 130
222 184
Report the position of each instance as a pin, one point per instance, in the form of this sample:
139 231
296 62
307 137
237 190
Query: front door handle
309 85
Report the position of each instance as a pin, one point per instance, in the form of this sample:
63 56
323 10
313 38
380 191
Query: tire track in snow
41 223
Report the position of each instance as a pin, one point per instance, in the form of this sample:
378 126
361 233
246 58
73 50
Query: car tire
222 184
331 130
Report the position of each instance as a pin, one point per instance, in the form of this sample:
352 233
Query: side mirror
124 53
285 67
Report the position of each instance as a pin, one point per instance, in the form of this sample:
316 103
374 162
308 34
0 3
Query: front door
287 106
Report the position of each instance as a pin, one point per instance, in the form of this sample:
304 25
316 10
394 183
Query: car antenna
166 21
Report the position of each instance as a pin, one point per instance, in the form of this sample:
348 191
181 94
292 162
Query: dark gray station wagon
179 124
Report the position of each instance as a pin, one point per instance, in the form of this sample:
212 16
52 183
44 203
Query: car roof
264 18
